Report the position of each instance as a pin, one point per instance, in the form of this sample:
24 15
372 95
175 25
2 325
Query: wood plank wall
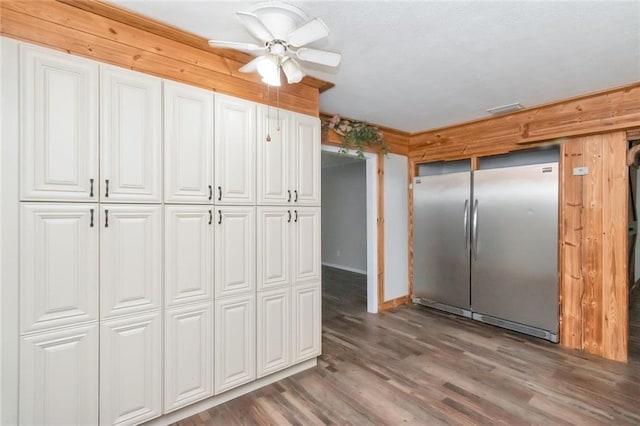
109 34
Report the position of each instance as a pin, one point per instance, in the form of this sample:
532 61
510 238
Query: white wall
396 227
344 217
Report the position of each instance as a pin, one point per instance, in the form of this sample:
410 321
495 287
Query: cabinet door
58 265
272 247
235 151
130 259
307 321
59 126
306 166
273 156
130 369
188 355
235 250
273 331
306 245
59 377
188 144
234 342
188 259
130 136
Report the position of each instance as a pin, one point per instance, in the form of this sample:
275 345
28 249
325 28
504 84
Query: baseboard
345 268
208 403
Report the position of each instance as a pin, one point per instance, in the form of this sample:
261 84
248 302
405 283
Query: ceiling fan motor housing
279 18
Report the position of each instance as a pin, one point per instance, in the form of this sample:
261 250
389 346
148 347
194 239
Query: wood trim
380 163
413 171
394 303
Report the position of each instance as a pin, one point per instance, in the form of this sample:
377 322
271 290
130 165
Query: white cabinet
58 265
273 247
188 144
188 254
59 126
59 377
235 250
235 151
188 355
130 136
305 167
306 245
130 369
274 185
307 321
234 342
130 259
273 337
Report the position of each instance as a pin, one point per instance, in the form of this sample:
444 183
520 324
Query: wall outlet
580 171
337 253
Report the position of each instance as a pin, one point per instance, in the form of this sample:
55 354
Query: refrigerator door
515 245
441 238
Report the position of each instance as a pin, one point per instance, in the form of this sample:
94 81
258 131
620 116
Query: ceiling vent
505 109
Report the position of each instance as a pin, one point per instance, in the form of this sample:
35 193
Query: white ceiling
420 65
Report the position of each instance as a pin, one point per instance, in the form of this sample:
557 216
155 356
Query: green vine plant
357 135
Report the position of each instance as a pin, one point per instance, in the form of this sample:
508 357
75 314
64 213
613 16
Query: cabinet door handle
106 218
210 217
219 193
289 198
106 188
289 211
91 222
210 192
296 212
91 187
219 217
295 191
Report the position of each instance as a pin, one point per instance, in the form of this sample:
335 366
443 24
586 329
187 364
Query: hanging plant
356 135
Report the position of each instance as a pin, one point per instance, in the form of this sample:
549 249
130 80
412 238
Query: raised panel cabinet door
273 156
130 369
307 321
273 228
59 377
306 245
234 342
235 250
235 151
306 164
130 259
58 126
188 144
273 331
130 136
188 260
58 265
188 355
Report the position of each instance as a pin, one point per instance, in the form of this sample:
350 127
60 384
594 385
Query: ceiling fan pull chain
278 107
268 110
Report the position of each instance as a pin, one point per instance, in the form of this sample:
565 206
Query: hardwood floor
417 366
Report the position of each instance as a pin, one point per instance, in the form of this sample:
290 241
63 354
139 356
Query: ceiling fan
283 31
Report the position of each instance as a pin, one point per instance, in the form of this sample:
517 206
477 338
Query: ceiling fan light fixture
269 70
292 71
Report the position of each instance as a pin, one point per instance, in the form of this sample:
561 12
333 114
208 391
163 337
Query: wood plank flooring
413 365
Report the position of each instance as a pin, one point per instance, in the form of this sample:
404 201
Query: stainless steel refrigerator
486 246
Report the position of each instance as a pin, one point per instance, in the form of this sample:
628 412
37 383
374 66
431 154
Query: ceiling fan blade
243 47
255 26
313 30
292 70
252 65
321 57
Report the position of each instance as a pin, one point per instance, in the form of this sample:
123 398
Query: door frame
371 162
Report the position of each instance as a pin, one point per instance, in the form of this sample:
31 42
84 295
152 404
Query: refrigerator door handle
466 226
475 230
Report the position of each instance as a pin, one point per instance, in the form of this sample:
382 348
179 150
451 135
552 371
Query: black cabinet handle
219 217
210 192
289 199
219 193
296 199
296 212
106 188
106 218
210 215
90 187
289 211
91 223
